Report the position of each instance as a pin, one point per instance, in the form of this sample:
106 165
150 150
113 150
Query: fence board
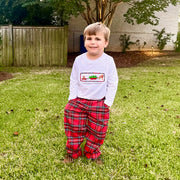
33 46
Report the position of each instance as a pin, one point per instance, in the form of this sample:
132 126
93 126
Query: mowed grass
143 139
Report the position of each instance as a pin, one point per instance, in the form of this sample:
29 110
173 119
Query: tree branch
109 16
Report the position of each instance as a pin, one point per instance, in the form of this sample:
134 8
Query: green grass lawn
143 139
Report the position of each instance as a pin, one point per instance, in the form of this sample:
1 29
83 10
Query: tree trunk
103 12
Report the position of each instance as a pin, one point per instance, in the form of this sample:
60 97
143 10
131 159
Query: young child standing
93 85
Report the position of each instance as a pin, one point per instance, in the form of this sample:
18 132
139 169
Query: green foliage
65 9
47 12
56 12
0 39
140 11
162 38
138 44
35 12
144 11
19 12
125 42
11 12
38 14
177 43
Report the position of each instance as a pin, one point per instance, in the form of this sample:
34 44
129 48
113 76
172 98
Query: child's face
95 45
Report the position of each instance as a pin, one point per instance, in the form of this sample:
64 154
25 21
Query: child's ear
106 44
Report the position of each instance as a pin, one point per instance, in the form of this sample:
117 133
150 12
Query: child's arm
112 84
73 82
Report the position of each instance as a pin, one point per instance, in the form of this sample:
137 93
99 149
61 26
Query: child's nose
93 41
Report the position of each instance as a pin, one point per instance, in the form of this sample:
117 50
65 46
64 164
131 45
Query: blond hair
94 28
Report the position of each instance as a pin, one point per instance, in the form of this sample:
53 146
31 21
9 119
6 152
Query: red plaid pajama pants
85 119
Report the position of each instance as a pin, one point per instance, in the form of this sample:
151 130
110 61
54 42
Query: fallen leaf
3 154
125 97
16 133
145 165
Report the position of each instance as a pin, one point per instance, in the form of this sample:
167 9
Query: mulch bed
122 60
128 59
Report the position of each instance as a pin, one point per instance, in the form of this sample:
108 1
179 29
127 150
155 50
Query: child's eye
89 38
98 39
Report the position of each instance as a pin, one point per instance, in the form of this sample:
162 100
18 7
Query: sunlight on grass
143 139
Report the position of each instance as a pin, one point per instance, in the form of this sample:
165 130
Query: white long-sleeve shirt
94 79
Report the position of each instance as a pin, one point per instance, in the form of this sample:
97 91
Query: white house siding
141 32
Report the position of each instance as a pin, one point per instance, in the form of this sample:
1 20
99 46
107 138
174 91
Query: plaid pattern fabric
85 119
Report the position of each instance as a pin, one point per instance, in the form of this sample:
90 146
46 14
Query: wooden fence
33 46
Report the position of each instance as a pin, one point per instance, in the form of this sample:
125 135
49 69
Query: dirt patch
128 59
5 76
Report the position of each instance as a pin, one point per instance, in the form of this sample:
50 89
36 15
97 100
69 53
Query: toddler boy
93 85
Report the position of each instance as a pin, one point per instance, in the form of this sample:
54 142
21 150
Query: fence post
11 50
65 45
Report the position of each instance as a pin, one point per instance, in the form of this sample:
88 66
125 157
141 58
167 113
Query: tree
11 12
25 12
38 12
140 11
35 12
65 9
61 10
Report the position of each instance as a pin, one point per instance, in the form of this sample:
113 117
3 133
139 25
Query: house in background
141 32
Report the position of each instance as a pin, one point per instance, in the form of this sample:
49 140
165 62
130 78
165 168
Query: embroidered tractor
101 77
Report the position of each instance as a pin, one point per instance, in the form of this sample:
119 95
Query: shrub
125 42
162 38
177 43
138 44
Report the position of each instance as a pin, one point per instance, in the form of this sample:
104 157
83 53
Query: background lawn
143 139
